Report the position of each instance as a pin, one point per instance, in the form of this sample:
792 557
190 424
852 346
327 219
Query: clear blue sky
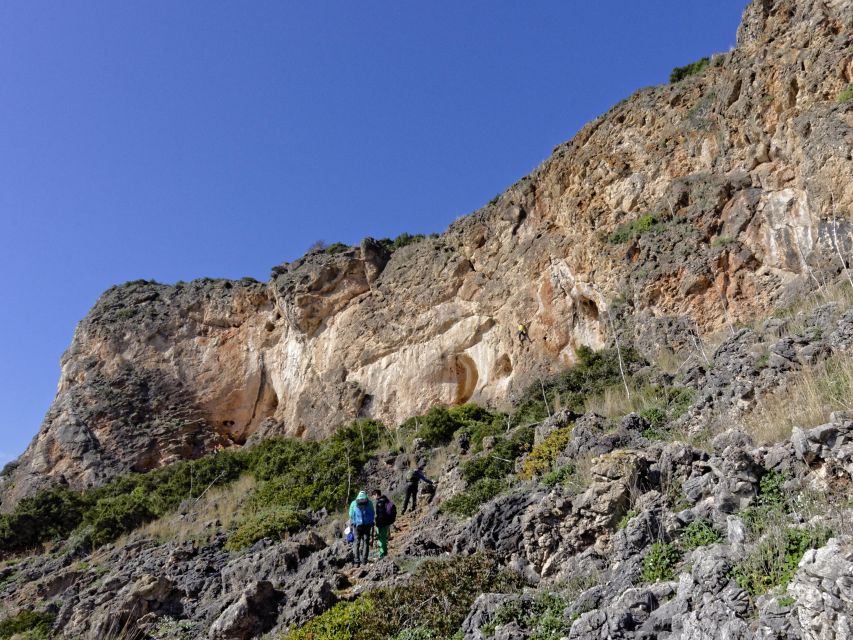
175 140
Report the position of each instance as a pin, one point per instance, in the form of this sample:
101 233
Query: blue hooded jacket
361 513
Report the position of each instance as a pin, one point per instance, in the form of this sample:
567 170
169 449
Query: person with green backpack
362 518
386 514
412 480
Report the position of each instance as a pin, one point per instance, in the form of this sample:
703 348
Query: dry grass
220 504
806 402
615 403
581 476
839 293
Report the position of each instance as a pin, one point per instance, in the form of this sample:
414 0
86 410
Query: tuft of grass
722 242
220 504
846 94
658 404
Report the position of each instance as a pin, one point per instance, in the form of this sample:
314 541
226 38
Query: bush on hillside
543 455
434 601
699 533
774 561
403 240
272 522
679 73
33 625
593 373
467 502
660 562
543 617
499 461
49 514
633 229
439 425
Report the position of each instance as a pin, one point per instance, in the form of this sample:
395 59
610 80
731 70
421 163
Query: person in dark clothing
386 513
412 482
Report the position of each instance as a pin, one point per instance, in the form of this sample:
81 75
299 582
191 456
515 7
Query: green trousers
382 537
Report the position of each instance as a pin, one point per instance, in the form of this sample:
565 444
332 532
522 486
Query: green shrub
49 514
500 460
437 426
633 229
591 375
335 247
541 458
478 422
699 533
679 73
402 240
114 516
846 95
272 522
36 625
774 561
466 503
435 600
660 562
655 415
344 621
558 476
623 522
543 617
771 490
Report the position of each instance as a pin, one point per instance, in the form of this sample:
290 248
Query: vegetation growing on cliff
593 372
692 69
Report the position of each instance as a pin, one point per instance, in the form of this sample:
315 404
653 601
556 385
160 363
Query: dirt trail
400 530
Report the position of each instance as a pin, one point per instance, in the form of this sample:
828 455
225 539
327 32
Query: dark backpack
386 512
414 476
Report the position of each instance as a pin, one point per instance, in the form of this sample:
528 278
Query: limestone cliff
738 181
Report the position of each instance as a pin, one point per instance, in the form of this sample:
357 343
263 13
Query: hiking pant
362 545
382 537
411 492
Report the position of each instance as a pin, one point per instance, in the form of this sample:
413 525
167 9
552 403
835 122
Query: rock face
737 180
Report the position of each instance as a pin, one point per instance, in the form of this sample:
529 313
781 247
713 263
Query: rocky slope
685 207
645 537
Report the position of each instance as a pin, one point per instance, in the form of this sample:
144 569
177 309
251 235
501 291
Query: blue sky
176 140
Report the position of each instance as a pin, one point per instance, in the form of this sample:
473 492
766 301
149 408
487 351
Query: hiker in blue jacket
362 517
